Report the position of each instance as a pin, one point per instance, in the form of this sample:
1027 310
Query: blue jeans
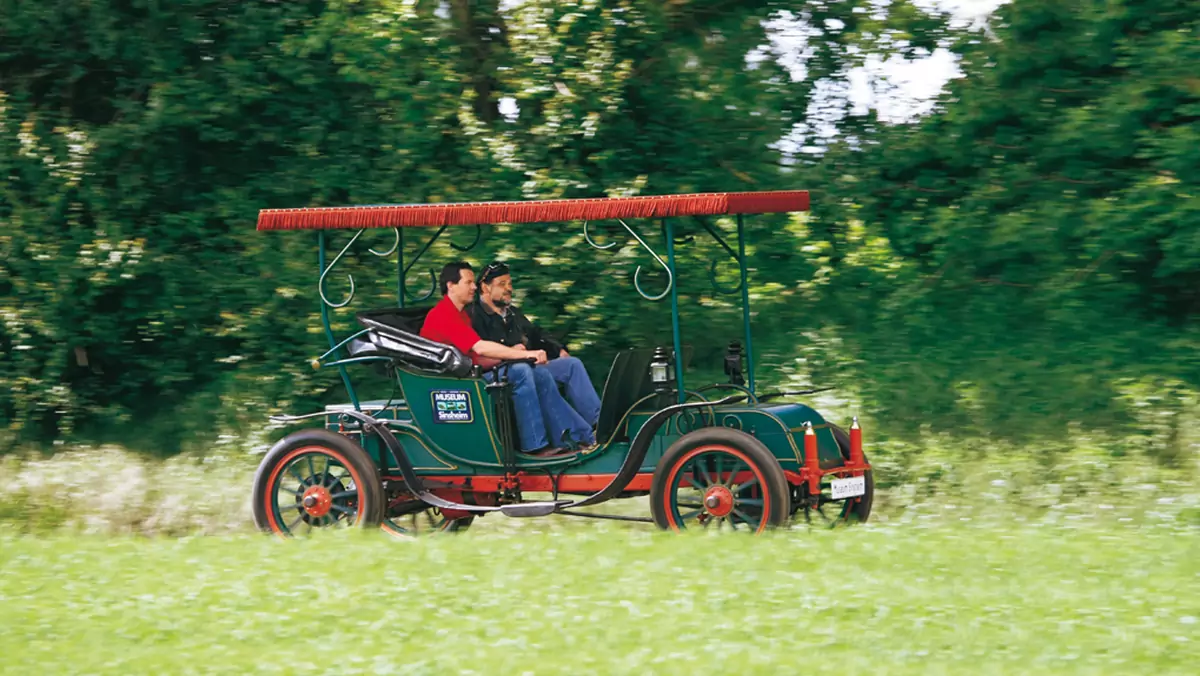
543 416
569 371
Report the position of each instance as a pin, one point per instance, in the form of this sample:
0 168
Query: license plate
849 488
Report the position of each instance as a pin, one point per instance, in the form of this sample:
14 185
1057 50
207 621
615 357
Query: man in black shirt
495 318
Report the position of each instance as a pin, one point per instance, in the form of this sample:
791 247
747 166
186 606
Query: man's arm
537 337
494 350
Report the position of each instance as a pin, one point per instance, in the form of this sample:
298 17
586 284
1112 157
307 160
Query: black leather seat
628 380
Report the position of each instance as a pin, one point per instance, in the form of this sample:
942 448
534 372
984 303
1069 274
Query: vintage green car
442 452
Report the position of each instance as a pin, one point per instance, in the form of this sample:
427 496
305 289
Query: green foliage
1030 254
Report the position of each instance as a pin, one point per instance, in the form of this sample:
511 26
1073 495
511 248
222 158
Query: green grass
900 599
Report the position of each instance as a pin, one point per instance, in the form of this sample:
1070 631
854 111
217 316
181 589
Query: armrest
501 367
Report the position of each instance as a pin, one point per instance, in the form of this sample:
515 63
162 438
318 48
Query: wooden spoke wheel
833 513
719 479
316 479
409 517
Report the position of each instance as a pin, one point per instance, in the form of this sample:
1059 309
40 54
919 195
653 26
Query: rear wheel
409 517
719 478
316 479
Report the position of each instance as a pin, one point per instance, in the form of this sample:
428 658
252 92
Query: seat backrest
628 380
392 334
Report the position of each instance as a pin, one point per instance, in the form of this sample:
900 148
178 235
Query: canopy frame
443 216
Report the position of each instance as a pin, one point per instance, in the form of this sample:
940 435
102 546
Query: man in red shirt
544 418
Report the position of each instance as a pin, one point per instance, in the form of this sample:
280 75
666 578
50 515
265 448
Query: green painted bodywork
473 447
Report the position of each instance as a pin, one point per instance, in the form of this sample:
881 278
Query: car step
526 509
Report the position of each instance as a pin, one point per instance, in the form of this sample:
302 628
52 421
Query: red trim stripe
533 211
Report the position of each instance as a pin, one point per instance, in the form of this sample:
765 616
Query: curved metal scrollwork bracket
712 269
679 241
389 252
478 236
637 274
712 277
349 277
325 273
428 294
592 243
637 285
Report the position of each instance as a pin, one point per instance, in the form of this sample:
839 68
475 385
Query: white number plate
849 488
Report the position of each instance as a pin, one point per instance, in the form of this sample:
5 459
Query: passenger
544 418
495 318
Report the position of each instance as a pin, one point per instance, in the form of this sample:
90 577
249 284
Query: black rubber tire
855 512
342 450
756 455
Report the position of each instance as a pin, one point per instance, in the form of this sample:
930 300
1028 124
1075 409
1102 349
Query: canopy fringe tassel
534 211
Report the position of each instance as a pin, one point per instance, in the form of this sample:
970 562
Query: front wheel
718 478
832 514
316 479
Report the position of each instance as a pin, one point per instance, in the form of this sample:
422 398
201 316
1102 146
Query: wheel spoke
325 479
756 502
733 472
681 503
295 506
708 481
292 525
691 515
749 522
691 480
343 494
343 510
296 473
312 471
741 487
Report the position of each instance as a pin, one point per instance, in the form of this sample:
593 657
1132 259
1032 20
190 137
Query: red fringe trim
534 211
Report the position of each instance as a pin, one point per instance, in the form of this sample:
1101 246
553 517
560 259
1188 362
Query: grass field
896 599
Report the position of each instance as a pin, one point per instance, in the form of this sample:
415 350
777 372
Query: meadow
117 564
897 599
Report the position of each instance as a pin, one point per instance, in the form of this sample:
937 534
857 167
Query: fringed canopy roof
533 211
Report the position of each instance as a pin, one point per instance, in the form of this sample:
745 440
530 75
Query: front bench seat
393 332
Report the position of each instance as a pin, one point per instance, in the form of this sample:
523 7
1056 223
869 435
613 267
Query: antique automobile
442 451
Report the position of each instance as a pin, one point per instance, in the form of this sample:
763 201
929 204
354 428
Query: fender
639 447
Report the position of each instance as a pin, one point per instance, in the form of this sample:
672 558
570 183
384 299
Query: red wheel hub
317 501
718 500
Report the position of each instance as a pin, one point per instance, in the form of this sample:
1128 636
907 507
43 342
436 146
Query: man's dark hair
452 274
493 270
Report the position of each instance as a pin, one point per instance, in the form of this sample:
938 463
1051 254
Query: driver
495 318
543 416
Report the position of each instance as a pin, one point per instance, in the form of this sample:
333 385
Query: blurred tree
1035 243
1047 210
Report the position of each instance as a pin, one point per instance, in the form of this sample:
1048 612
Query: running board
525 509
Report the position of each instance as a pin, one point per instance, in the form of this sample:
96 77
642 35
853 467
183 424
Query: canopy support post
333 344
670 231
741 258
400 269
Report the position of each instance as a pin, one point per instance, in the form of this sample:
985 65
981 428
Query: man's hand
562 354
539 355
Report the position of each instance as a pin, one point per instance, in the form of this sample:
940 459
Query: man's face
462 291
500 290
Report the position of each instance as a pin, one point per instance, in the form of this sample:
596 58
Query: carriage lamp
733 363
661 373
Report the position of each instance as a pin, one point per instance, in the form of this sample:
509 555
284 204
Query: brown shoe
547 451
